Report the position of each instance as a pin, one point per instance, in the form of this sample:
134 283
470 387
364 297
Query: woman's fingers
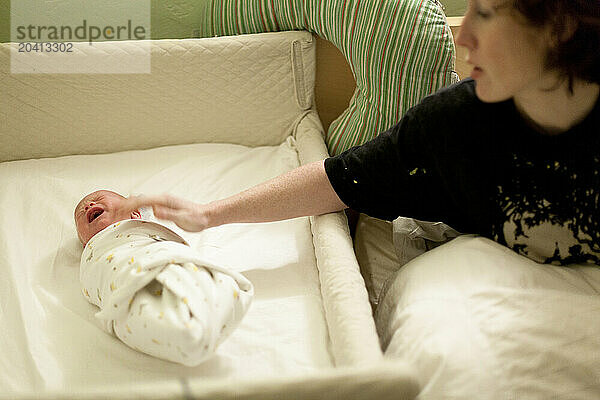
162 200
161 212
164 212
184 213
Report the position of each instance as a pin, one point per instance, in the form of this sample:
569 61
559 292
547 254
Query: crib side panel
248 89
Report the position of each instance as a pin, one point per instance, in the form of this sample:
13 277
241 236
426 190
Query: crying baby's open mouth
94 214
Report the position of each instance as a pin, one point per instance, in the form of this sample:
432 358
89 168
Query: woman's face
507 55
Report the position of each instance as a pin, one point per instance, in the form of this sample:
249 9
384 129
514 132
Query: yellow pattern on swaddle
158 295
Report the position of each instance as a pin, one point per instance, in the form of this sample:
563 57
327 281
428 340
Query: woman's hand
188 215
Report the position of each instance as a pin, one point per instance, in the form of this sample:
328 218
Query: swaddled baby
156 293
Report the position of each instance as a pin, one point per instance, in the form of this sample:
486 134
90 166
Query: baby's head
98 210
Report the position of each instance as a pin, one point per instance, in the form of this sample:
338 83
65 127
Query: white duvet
478 321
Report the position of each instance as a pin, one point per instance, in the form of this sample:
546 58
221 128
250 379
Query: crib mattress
51 338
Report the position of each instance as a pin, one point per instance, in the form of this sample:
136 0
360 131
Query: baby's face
99 209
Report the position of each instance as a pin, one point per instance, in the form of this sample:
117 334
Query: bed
213 117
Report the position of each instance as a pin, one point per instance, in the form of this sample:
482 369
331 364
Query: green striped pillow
399 51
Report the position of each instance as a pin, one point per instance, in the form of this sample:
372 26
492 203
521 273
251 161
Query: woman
512 154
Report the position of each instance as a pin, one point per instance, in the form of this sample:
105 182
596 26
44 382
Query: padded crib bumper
200 90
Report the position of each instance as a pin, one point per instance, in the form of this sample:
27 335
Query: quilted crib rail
199 90
386 381
352 332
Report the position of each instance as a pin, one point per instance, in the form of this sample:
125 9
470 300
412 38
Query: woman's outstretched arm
301 192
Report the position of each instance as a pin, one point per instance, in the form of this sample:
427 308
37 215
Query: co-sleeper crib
213 116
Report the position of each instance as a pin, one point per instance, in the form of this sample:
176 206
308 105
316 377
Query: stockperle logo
84 31
80 36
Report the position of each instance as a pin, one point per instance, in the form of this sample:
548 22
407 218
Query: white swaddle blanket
158 295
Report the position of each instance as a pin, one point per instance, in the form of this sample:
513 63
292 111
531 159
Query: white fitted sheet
50 337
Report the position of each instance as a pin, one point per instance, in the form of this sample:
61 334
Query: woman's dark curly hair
575 26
